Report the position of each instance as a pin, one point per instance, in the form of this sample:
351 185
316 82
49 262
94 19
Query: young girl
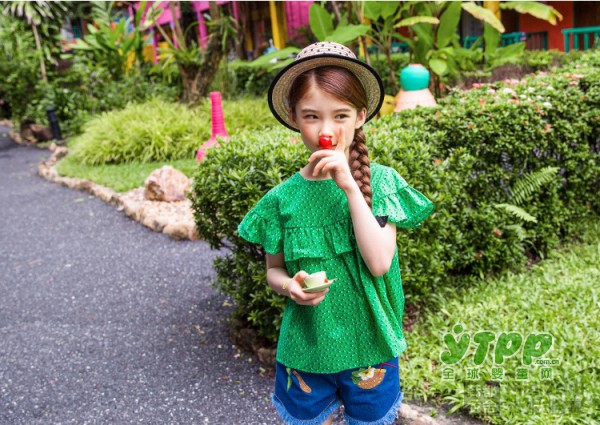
338 214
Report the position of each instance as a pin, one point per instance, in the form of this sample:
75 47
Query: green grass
560 296
120 177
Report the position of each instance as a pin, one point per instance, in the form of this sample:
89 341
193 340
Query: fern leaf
516 212
518 230
530 183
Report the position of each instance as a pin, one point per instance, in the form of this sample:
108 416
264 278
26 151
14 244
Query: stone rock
193 234
35 133
166 184
247 339
267 356
41 133
177 231
6 123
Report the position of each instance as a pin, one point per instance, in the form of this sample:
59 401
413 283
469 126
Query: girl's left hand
335 162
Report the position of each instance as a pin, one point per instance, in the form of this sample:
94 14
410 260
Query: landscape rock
34 133
177 231
174 218
267 356
167 185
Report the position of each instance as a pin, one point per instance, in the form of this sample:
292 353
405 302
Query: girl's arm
277 276
377 245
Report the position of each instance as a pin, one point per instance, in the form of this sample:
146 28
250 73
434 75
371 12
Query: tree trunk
207 71
388 54
189 74
38 45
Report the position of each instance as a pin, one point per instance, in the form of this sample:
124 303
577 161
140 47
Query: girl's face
320 114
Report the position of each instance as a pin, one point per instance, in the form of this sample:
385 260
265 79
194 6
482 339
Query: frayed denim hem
290 420
389 417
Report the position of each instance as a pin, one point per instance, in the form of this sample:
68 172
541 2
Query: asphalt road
103 321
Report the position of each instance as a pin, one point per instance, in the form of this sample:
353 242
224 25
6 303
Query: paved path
103 321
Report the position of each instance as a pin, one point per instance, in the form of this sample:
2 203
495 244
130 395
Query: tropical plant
115 44
322 25
197 67
38 14
19 69
432 26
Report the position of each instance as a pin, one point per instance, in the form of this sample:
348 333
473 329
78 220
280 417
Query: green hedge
476 150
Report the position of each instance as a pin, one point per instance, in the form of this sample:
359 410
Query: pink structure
202 6
296 13
165 18
296 16
218 125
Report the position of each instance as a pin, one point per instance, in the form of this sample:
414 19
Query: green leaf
346 34
534 8
321 22
277 54
483 14
448 24
530 183
408 22
282 64
373 10
516 212
491 36
388 8
438 66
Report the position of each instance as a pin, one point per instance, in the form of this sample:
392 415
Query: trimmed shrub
159 131
481 156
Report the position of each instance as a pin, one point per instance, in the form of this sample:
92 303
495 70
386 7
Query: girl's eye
310 117
341 116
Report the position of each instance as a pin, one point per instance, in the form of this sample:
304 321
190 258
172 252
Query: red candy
325 142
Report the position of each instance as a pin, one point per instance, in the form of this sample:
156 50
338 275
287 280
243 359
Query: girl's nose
327 129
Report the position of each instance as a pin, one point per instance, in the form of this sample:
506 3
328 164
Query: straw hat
319 54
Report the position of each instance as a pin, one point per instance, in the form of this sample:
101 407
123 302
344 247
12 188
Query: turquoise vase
414 77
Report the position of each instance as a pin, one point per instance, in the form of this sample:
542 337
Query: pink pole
203 30
218 125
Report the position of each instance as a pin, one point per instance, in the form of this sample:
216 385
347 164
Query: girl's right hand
299 296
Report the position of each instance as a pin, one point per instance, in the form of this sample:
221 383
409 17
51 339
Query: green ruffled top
359 323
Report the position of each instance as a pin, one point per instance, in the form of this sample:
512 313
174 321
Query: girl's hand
299 296
335 162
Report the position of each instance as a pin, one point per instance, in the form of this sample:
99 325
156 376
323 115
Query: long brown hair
342 84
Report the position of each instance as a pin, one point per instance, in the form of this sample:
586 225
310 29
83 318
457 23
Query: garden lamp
54 125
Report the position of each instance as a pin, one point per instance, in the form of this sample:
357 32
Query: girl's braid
360 165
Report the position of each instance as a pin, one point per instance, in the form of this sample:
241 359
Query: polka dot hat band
324 53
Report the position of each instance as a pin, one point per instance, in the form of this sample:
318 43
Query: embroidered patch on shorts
303 385
368 378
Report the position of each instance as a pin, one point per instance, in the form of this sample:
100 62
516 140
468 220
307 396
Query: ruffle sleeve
262 225
404 206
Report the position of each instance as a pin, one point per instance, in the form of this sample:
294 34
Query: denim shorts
371 395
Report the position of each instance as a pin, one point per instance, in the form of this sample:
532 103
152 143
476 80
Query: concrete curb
416 415
175 219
